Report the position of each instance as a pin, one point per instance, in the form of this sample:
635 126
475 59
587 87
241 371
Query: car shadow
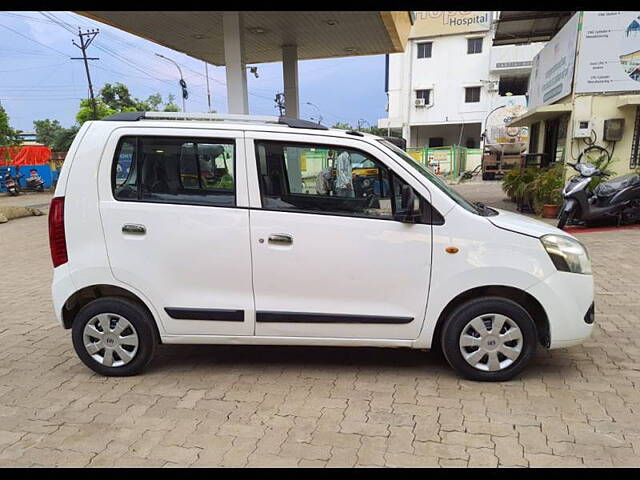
253 357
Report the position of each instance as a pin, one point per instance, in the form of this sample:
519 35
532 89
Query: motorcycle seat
611 187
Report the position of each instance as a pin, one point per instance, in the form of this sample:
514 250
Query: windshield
431 177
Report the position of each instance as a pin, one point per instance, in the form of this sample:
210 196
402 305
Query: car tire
477 352
131 340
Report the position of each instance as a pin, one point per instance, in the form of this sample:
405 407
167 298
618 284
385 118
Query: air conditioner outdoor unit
420 102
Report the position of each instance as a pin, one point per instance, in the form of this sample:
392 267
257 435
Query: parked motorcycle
35 182
12 185
617 199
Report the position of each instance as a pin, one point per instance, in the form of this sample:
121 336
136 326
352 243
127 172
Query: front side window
472 94
432 178
474 45
424 50
175 170
323 179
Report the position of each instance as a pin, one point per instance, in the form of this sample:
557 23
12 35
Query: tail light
57 240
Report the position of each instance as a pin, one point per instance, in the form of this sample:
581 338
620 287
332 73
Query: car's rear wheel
114 336
489 339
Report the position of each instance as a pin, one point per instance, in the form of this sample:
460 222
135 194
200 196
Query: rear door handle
133 228
281 238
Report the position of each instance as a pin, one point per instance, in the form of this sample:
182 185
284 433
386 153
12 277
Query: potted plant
547 189
510 183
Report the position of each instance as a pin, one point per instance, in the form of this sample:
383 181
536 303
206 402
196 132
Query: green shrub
548 185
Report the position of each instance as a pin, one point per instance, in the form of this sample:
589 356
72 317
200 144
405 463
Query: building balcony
513 59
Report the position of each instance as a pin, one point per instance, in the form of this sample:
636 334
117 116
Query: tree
64 139
381 132
47 130
118 98
152 103
170 105
54 135
86 110
8 136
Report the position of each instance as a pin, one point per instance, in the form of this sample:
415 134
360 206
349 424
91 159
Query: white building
450 77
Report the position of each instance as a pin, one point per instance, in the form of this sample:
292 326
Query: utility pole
84 44
280 103
206 74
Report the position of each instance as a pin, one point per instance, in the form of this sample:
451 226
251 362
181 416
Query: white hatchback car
198 228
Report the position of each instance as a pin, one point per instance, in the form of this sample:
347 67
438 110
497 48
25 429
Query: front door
329 260
174 232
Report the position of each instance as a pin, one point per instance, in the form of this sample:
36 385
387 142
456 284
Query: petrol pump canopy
321 34
514 27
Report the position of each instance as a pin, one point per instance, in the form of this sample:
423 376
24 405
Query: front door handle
281 238
133 228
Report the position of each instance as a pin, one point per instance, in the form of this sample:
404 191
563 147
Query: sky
39 80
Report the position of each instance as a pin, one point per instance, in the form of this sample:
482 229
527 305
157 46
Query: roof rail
291 122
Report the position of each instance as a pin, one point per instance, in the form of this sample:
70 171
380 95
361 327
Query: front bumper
566 298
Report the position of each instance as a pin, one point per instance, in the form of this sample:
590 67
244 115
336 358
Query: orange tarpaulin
25 155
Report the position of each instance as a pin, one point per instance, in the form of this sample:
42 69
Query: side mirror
407 212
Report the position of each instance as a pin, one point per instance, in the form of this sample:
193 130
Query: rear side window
175 170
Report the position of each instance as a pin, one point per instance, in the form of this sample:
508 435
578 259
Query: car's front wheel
489 339
114 336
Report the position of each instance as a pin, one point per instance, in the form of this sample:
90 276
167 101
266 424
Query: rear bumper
62 288
566 298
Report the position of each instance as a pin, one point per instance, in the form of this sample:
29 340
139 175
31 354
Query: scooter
617 199
12 185
35 184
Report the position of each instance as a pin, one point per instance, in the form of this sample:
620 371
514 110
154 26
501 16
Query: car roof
229 122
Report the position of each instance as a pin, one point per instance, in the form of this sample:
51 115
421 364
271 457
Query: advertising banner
552 70
436 23
609 59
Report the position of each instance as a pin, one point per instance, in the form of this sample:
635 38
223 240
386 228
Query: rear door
327 262
171 207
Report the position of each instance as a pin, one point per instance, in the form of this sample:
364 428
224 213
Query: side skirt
252 340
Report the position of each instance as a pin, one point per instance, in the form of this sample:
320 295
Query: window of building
424 49
471 143
472 94
634 162
330 180
425 94
436 141
175 170
474 45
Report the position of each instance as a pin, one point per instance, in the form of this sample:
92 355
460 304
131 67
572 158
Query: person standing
344 179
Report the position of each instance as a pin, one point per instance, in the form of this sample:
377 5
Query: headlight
567 254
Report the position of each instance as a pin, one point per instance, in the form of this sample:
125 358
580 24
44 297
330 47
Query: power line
34 40
31 68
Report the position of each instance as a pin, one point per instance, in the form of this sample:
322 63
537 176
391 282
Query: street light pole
182 82
317 108
206 74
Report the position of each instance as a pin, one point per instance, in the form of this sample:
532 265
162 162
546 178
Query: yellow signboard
436 23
